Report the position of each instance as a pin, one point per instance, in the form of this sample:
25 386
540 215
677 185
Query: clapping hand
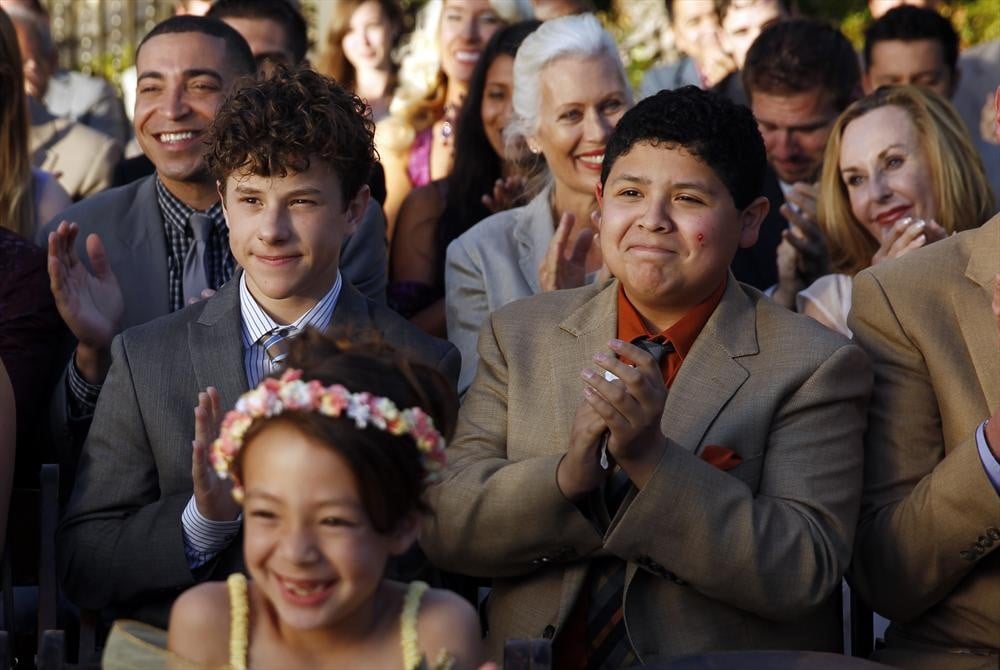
993 425
804 233
507 193
90 304
906 235
560 270
212 494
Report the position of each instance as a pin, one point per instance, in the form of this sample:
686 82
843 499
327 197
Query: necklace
448 124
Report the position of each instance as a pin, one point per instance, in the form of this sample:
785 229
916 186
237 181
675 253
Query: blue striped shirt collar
256 321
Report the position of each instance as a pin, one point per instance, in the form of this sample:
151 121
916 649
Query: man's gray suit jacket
120 543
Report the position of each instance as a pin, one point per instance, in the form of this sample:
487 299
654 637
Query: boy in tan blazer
725 516
926 554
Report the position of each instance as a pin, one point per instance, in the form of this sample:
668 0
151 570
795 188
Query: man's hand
789 281
206 293
507 193
212 494
993 425
804 233
558 270
580 470
631 408
90 304
906 235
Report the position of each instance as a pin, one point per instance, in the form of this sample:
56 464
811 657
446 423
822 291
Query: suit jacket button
549 632
984 541
968 555
993 533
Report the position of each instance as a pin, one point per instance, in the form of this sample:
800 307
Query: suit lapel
351 311
534 231
141 263
710 374
972 308
216 344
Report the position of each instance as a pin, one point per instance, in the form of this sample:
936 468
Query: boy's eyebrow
189 74
250 190
634 179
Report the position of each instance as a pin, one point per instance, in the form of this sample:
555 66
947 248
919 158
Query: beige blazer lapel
972 303
711 373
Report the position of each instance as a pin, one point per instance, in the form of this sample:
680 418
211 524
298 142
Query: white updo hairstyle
575 36
419 98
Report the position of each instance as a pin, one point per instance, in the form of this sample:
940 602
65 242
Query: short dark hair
907 24
717 131
236 47
271 126
280 11
389 468
723 6
801 55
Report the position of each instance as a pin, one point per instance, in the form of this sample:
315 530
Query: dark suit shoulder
402 334
164 330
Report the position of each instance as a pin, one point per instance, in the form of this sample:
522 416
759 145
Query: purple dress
418 166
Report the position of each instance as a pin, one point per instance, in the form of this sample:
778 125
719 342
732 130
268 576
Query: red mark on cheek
701 237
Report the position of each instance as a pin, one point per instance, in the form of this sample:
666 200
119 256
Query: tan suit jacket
83 158
930 523
716 560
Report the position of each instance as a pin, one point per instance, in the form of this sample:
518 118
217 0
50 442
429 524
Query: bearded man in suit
707 500
930 519
148 518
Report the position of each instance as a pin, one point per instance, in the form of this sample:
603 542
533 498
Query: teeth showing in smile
304 588
467 56
592 160
176 137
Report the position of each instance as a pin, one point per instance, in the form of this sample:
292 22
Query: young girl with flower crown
330 462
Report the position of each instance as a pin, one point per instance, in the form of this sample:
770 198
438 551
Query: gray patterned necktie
195 261
276 343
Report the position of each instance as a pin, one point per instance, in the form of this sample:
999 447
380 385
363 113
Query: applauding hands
90 304
628 409
212 494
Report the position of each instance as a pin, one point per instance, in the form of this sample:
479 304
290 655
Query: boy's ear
356 209
750 219
406 532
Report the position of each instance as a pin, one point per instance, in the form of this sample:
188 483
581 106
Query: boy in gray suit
146 520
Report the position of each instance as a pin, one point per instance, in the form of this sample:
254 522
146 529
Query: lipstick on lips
592 160
890 217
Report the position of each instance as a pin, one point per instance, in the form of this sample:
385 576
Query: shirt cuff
203 539
81 395
990 463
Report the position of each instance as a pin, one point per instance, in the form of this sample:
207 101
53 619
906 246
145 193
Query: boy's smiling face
669 229
286 233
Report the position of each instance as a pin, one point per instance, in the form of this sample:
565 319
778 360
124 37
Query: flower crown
290 393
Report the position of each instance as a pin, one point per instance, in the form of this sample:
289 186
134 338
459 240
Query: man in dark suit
147 518
146 229
799 75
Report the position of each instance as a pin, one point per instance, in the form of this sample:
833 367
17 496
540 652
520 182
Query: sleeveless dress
133 645
239 627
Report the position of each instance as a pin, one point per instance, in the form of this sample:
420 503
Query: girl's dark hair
389 468
477 165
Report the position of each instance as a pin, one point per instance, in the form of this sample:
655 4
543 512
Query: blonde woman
358 53
416 142
28 198
899 173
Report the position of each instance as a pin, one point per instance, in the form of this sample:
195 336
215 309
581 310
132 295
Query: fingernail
615 343
601 357
587 373
919 225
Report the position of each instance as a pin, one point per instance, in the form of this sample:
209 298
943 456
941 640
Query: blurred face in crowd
497 104
553 9
744 21
795 127
182 80
885 170
466 27
193 7
880 7
268 41
669 228
368 42
38 65
696 27
915 62
582 100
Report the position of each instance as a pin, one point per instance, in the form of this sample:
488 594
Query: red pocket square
721 457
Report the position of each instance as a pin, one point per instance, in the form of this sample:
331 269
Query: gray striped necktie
276 344
195 278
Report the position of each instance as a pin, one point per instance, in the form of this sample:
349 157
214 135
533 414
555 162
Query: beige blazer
743 559
930 523
83 158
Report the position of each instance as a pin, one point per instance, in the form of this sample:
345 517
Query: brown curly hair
276 125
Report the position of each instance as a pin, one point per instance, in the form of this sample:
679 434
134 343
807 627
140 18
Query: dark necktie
195 279
610 648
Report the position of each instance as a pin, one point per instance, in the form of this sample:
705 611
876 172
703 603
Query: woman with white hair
416 142
570 90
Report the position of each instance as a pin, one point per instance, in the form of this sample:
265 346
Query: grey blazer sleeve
120 537
466 307
364 257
